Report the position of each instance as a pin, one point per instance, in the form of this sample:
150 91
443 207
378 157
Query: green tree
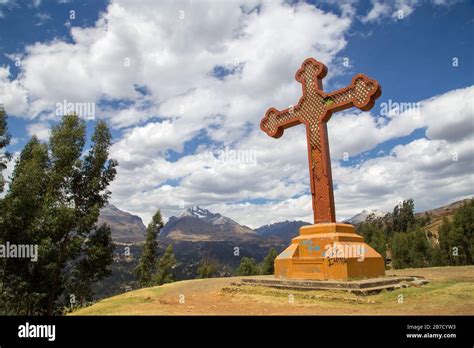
54 200
374 235
456 237
403 216
379 243
21 210
247 267
400 251
437 259
463 222
411 249
268 262
420 249
425 219
444 252
147 265
4 141
164 273
207 269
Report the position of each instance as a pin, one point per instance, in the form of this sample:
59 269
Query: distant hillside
126 228
197 224
189 256
285 230
196 235
445 209
438 214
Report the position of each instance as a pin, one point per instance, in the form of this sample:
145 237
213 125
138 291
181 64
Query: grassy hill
450 292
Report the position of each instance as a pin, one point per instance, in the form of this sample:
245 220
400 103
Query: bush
247 267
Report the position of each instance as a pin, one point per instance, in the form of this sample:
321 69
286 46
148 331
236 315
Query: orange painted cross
314 109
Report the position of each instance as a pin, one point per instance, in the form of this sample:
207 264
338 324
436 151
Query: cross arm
309 75
275 122
362 94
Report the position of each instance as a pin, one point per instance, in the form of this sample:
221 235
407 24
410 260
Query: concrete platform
329 251
362 287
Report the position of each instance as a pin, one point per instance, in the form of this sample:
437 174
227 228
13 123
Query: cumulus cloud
432 170
12 95
41 130
448 116
171 49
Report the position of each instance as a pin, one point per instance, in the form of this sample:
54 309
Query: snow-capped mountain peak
200 213
199 224
363 215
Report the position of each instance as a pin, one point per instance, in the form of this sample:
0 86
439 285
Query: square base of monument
360 287
329 251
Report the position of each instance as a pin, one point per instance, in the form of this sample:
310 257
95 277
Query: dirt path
451 291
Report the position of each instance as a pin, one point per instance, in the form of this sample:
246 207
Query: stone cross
314 109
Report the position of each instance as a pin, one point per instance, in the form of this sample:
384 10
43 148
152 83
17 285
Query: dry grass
450 292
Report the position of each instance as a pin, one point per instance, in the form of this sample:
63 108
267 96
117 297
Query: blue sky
171 130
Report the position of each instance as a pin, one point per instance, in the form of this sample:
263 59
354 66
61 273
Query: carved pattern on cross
314 109
316 106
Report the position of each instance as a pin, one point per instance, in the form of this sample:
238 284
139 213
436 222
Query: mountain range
197 224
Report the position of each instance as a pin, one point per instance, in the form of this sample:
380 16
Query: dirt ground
450 292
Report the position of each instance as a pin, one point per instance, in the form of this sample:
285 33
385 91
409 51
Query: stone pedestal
329 251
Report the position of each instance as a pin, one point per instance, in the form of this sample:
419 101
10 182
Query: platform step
365 286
